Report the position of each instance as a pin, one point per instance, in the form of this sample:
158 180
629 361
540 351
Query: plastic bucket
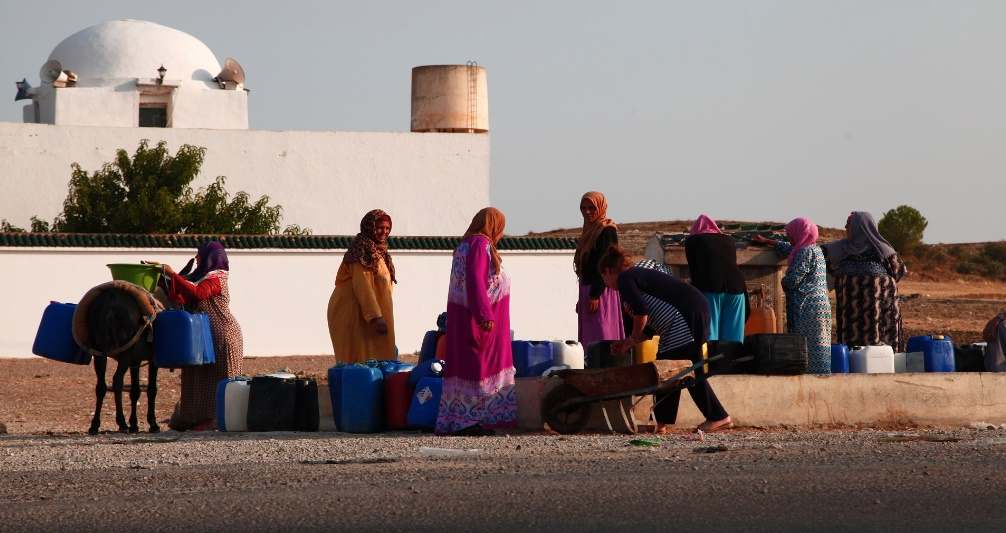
145 276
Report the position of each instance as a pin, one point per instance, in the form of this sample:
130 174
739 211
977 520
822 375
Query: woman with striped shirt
679 313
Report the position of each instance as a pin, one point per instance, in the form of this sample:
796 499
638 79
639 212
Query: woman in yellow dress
361 321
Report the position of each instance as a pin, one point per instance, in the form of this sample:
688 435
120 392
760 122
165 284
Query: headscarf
591 229
863 237
802 233
489 222
704 224
991 332
210 256
366 250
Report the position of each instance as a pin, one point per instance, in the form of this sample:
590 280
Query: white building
101 84
107 75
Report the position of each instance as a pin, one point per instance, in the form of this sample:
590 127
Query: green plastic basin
145 276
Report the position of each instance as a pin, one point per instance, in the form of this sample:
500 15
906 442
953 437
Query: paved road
930 480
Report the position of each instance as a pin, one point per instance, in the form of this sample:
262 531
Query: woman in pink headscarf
808 310
712 265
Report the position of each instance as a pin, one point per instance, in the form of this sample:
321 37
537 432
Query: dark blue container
182 339
532 358
426 369
428 350
426 404
839 359
937 350
54 339
357 398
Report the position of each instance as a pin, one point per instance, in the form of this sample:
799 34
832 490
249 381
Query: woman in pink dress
478 393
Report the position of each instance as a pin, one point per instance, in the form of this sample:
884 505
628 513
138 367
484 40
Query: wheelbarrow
567 406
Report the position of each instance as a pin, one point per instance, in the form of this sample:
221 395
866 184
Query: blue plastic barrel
937 350
54 339
182 339
357 398
532 358
426 404
839 359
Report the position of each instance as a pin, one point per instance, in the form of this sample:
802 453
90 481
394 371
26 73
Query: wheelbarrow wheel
560 417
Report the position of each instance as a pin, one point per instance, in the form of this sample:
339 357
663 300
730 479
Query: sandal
710 426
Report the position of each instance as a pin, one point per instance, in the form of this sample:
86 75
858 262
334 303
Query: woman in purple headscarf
204 290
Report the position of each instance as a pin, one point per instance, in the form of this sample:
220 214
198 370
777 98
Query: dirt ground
40 396
958 308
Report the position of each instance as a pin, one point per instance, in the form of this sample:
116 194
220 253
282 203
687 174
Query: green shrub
150 192
903 227
995 251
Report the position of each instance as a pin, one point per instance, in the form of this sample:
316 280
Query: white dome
129 49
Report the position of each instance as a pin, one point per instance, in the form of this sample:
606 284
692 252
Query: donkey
117 324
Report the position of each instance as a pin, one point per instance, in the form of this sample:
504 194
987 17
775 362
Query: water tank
450 98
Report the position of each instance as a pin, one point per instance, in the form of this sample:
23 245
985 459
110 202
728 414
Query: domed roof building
136 73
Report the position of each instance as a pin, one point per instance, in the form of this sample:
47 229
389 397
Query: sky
742 109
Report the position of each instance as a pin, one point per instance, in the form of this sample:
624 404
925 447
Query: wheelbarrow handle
667 385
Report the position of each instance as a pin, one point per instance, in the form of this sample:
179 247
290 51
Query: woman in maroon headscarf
361 320
204 290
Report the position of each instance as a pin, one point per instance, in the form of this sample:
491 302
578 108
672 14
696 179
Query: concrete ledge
857 399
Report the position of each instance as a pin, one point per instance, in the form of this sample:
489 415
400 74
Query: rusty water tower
450 98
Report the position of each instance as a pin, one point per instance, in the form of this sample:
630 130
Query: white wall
218 109
280 297
430 183
118 106
95 106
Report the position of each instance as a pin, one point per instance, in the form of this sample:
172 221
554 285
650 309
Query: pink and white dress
479 372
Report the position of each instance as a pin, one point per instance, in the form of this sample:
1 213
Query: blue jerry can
839 359
937 350
183 339
54 339
357 398
532 358
425 403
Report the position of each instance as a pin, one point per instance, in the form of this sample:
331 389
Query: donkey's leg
151 397
117 385
134 395
99 393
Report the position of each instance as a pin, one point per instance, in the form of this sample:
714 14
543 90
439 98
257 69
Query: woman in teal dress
808 310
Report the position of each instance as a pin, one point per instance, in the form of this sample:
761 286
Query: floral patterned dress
199 383
478 387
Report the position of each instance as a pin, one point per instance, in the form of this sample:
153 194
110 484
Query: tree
150 192
903 227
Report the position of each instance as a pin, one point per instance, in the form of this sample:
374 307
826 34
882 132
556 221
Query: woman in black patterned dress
867 270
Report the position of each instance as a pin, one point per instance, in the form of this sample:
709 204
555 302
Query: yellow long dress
360 296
